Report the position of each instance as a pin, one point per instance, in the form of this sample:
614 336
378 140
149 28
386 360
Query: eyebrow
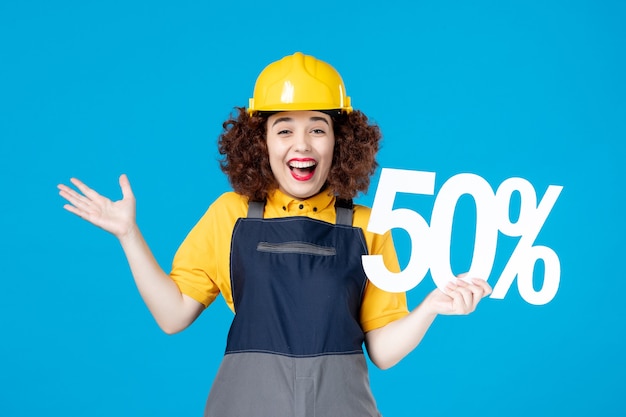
289 119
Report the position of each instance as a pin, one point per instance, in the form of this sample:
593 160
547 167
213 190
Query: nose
302 142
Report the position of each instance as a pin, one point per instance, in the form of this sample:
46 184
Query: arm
172 310
387 345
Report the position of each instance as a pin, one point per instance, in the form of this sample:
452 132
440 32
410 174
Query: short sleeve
201 266
380 307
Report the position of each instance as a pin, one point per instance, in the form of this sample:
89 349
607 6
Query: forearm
172 310
387 345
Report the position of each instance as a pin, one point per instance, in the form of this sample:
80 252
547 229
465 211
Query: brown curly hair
246 161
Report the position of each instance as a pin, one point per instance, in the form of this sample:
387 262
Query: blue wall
534 89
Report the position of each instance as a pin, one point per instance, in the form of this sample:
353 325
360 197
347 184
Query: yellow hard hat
299 82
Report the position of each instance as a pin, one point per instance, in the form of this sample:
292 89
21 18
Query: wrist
130 234
429 306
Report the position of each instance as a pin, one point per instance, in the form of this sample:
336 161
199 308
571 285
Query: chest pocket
302 248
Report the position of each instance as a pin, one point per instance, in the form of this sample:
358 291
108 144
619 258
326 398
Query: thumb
127 192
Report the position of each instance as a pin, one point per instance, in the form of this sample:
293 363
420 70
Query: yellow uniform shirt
201 266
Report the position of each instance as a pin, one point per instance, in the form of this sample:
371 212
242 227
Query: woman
284 250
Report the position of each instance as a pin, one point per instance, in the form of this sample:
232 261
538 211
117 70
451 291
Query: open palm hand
116 217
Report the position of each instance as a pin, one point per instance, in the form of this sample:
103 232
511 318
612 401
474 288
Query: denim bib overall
295 345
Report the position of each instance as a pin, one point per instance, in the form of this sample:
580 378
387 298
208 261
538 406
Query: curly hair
246 160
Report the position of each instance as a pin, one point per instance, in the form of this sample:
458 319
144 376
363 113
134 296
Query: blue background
501 89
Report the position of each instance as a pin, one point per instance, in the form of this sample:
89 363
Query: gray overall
295 345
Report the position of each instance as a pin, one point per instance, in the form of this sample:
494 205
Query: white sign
430 245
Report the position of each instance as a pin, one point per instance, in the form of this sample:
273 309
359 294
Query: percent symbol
531 219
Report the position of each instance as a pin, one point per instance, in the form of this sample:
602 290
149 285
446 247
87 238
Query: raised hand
116 217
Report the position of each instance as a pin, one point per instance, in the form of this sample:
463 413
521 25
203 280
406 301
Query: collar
316 203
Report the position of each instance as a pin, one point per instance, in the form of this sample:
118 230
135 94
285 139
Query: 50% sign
430 244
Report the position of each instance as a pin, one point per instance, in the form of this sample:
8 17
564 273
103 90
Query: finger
76 211
65 189
479 289
462 278
449 288
478 292
127 191
459 303
484 285
461 297
473 287
463 282
72 196
465 301
468 298
88 192
478 285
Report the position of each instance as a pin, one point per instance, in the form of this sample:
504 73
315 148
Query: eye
318 131
283 132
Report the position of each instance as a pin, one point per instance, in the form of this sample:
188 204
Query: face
300 146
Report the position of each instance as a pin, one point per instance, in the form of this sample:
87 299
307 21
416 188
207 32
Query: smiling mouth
302 170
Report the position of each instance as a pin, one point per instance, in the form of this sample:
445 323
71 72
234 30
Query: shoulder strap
343 208
255 209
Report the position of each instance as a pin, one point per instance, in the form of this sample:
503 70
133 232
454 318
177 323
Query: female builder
284 250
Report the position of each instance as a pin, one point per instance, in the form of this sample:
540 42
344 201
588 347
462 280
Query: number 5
383 218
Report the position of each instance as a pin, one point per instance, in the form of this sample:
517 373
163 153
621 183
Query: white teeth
301 164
